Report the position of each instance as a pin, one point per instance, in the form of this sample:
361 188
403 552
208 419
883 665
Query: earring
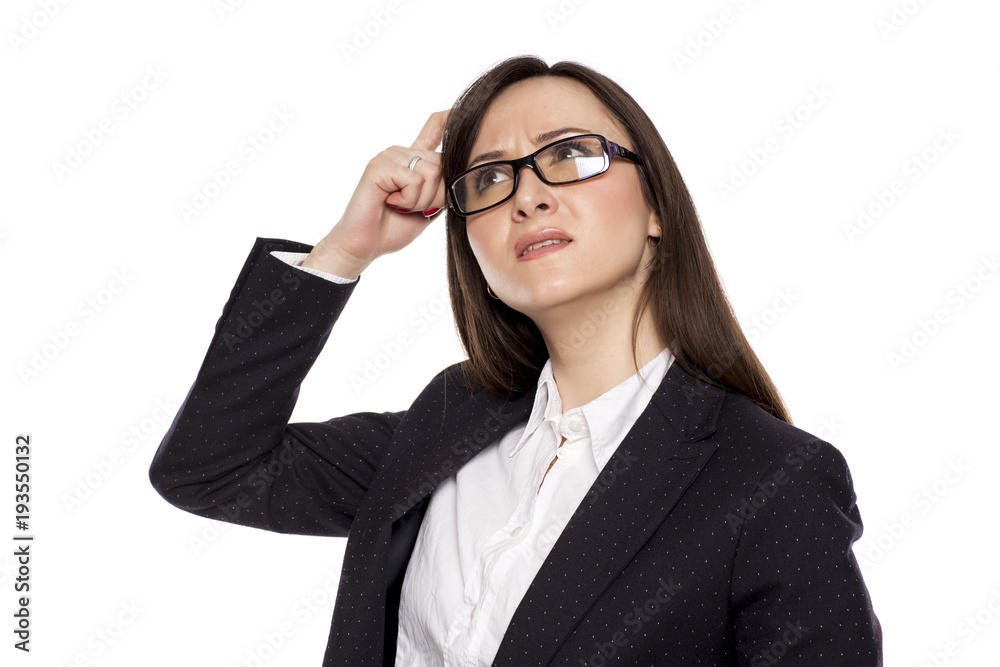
490 292
658 238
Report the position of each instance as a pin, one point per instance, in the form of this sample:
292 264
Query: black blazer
716 535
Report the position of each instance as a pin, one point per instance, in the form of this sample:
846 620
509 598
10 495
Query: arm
797 596
230 453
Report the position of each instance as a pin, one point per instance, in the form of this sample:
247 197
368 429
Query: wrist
330 258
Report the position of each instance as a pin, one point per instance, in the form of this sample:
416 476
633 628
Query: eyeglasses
565 161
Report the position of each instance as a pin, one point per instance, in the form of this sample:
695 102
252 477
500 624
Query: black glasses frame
611 150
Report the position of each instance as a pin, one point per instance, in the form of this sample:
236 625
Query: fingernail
431 211
403 210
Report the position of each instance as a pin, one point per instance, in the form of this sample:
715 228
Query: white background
107 543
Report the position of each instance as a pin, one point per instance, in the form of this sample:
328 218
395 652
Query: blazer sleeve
797 593
230 453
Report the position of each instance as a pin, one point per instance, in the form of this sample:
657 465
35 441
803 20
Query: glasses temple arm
614 149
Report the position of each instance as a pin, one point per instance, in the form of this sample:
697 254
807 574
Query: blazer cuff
296 258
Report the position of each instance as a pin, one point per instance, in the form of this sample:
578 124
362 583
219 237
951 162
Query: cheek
485 246
617 207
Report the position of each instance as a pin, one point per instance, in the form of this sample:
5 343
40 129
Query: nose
531 194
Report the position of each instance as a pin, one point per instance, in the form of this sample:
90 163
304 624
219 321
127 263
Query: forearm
232 428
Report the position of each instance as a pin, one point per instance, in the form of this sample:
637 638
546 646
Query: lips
549 234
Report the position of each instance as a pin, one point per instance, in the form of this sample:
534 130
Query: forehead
527 108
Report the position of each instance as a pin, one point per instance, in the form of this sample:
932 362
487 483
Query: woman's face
606 217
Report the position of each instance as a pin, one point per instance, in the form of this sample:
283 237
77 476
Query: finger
439 201
428 171
432 194
420 188
432 131
434 204
429 163
412 192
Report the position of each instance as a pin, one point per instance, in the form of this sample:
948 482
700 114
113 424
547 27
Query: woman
610 478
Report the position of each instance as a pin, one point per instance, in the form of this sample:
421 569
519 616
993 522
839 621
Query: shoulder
445 390
453 385
762 445
450 379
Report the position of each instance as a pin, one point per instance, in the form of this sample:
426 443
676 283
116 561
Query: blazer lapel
644 478
427 452
649 472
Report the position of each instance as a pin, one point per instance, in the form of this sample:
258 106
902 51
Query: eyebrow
543 138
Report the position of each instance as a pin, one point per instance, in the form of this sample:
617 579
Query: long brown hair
687 302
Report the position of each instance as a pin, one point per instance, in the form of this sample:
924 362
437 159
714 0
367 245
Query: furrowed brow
543 138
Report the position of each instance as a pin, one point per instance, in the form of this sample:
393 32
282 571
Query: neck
587 366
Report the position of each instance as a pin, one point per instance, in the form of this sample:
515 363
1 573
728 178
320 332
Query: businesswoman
610 477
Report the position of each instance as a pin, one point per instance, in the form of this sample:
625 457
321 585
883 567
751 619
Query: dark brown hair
687 302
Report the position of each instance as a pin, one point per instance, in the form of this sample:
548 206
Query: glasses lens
572 160
484 186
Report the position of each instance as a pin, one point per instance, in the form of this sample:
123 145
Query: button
473 612
575 425
515 531
561 453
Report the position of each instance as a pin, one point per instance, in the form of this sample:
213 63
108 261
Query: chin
550 294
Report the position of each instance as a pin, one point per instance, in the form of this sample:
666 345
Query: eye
571 150
488 177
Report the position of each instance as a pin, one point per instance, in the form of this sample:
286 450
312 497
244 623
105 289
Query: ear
653 227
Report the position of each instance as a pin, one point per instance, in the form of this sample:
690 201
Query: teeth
536 246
